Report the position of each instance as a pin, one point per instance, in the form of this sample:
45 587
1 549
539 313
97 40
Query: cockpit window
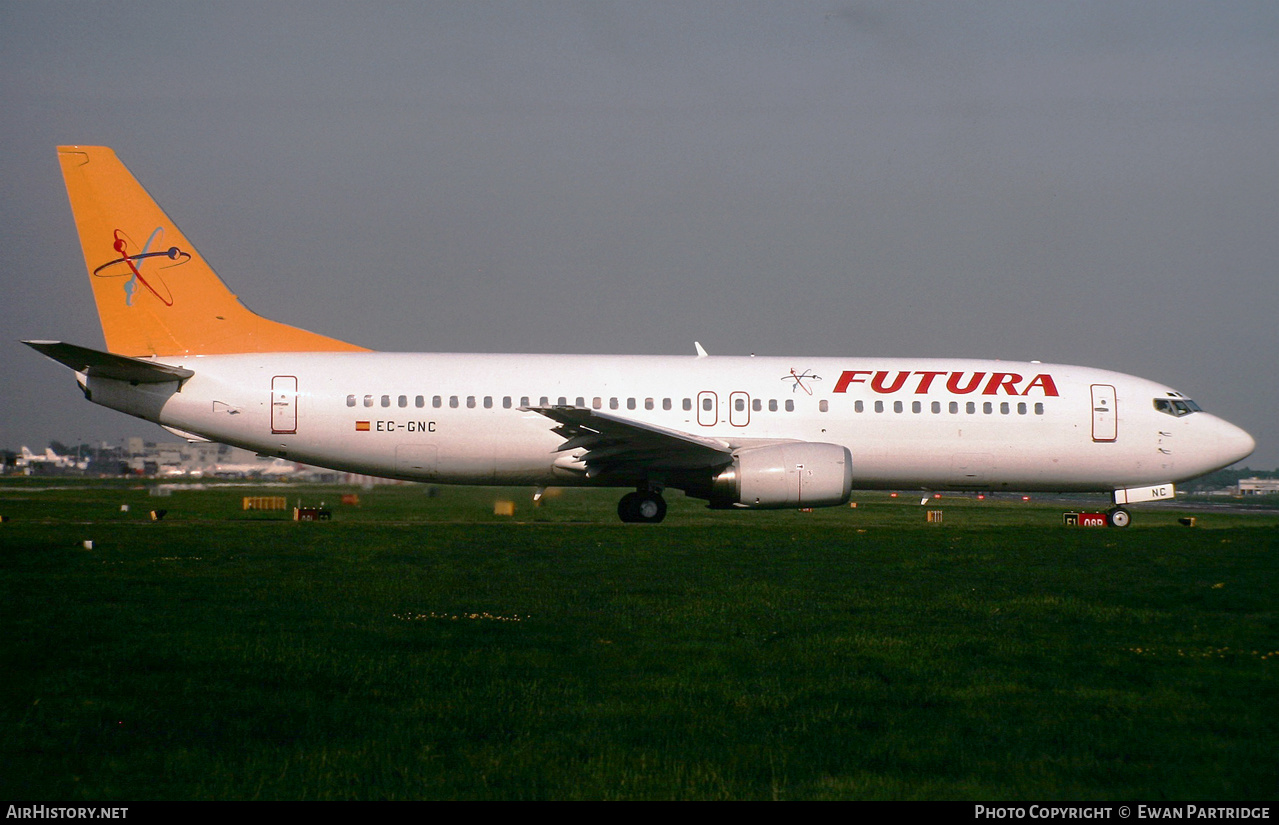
1176 407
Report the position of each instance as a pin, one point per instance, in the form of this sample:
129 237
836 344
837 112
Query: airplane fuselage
907 423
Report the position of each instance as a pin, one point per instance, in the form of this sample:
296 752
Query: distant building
1257 486
175 459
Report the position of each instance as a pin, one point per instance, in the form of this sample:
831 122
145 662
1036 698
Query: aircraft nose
1234 443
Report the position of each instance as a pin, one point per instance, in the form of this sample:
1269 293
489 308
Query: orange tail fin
155 293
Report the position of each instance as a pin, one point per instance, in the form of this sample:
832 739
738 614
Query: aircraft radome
766 432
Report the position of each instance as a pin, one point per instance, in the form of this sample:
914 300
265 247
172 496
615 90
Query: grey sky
1092 183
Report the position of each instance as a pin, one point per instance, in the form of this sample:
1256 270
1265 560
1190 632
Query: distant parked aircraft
49 459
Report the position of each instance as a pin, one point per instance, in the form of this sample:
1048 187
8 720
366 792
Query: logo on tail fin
131 265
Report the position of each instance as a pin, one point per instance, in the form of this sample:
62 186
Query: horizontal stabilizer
97 364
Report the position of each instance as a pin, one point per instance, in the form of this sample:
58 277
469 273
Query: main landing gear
642 507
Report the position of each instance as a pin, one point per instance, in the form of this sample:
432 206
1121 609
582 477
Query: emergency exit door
707 408
1105 423
284 404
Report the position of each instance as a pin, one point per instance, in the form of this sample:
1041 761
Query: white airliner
182 351
49 458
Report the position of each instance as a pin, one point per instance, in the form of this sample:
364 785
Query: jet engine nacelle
803 474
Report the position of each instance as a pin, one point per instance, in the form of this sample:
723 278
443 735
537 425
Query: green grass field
421 647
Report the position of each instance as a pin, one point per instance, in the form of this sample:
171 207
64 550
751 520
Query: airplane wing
97 364
620 447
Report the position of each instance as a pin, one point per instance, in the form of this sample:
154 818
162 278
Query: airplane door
284 404
1105 424
707 408
739 409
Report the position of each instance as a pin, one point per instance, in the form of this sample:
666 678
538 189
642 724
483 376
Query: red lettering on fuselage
926 381
952 383
957 383
1045 383
877 383
850 377
1007 380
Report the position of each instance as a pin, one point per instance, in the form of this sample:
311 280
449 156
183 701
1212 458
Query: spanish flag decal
361 426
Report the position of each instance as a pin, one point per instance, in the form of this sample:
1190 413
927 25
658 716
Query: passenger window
368 401
897 406
488 402
757 405
350 400
612 403
563 401
597 402
858 406
688 404
386 401
506 402
648 403
630 403
1003 408
437 401
581 402
790 405
988 408
543 402
954 408
1039 408
740 405
419 402
523 400
403 400
970 407
772 405
916 407
879 406
936 407
666 403
453 401
823 405
1021 407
